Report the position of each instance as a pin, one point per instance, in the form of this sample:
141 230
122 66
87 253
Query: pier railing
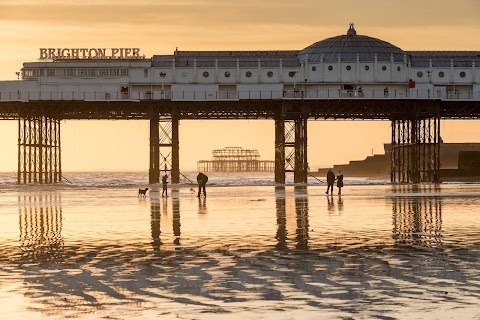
237 95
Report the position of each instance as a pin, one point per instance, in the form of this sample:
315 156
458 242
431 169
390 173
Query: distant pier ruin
235 159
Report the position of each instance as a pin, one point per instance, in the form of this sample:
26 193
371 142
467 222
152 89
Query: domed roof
348 46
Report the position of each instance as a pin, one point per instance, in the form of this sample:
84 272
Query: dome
348 46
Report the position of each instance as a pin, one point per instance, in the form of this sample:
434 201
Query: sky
160 26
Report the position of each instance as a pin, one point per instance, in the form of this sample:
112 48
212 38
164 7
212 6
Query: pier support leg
300 171
164 148
154 170
415 152
291 149
175 151
279 150
39 152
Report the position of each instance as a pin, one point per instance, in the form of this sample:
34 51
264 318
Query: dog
142 192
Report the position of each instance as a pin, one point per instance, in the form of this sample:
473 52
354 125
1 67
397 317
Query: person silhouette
340 181
164 185
330 180
202 181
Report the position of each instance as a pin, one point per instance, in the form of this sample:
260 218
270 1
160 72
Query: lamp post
18 75
162 75
429 75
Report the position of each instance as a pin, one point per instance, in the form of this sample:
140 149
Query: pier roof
444 58
225 59
349 47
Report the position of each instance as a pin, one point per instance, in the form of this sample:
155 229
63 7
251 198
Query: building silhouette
235 159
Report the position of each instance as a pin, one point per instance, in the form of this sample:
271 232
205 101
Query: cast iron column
300 171
175 151
279 150
154 171
39 153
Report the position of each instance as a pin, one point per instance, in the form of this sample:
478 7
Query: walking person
330 180
340 182
202 181
164 185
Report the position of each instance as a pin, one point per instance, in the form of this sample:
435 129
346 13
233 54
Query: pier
342 77
415 129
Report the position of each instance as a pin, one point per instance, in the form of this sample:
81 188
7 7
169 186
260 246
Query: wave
140 179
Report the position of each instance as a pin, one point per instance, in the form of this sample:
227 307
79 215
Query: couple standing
331 179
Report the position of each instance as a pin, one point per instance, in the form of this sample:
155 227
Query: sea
92 248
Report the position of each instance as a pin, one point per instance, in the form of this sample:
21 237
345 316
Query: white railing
237 95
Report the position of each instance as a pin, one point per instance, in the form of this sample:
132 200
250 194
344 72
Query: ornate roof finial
351 30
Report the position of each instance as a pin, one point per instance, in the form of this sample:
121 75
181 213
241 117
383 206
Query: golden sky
159 26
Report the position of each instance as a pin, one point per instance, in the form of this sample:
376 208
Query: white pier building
346 66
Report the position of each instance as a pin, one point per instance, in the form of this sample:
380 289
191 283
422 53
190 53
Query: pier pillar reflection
176 215
301 209
155 224
280 204
40 223
39 153
417 220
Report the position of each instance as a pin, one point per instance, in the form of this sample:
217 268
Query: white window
70 72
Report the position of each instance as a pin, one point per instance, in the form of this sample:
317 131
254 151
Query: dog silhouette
142 192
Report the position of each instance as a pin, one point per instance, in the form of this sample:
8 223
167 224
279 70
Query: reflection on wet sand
417 220
202 206
340 204
155 218
176 216
155 224
298 272
301 209
280 205
40 222
331 204
300 223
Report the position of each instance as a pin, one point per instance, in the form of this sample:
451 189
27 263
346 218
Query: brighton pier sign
89 53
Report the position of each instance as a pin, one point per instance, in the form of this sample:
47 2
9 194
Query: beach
245 252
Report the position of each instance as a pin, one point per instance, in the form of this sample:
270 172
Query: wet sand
377 252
